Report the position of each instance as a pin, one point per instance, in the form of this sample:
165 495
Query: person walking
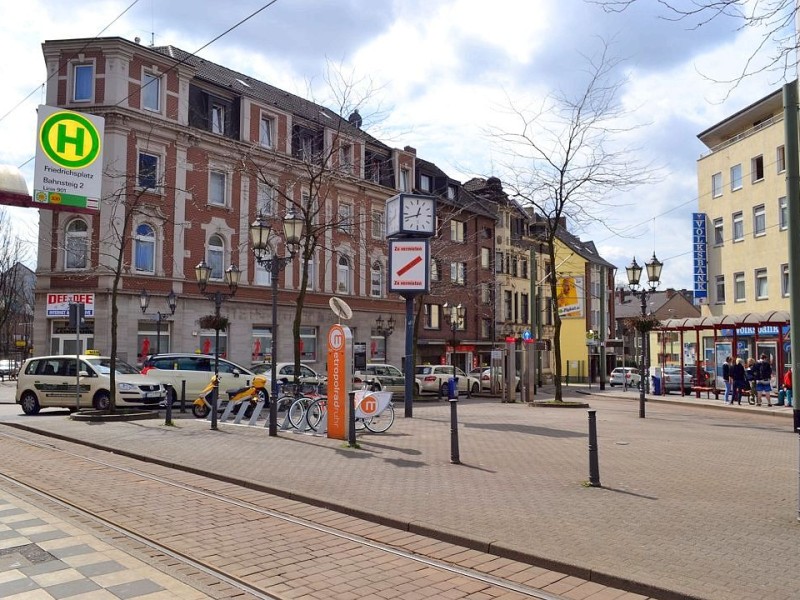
763 373
739 376
726 375
751 379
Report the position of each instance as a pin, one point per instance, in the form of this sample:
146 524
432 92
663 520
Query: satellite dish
340 308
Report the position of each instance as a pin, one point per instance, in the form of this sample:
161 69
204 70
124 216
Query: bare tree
16 289
565 162
777 51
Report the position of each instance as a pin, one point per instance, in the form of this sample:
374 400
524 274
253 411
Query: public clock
412 215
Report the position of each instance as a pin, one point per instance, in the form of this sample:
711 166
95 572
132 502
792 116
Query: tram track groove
189 543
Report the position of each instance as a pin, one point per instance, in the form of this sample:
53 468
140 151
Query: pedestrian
763 373
739 376
785 395
726 375
751 379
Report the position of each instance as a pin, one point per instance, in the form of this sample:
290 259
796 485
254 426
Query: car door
395 380
463 381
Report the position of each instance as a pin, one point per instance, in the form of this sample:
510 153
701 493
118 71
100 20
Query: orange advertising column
340 378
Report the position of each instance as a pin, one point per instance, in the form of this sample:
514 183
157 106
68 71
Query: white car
194 371
386 377
625 376
433 379
484 374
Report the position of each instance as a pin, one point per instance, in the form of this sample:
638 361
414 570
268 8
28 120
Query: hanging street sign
409 265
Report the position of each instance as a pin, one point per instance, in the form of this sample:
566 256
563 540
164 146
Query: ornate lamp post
172 303
634 272
385 330
264 243
454 315
203 273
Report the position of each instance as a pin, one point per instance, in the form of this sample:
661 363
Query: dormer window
425 183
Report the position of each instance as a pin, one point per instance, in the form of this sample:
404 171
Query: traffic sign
69 160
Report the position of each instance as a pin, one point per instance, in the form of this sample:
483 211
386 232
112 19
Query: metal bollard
168 418
594 463
351 420
454 457
183 395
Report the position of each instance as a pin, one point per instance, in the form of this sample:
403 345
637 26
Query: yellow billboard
570 296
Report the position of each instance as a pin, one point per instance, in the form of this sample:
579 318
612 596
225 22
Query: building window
757 168
736 177
77 245
265 200
216 188
436 269
147 177
780 159
486 293
486 258
345 217
451 192
378 232
716 185
425 183
215 258
784 280
151 92
374 171
308 344
762 292
738 287
462 324
263 275
719 235
262 344
376 280
498 262
82 83
217 118
403 180
524 310
432 316
343 275
265 132
508 308
524 265
346 158
457 231
720 287
783 213
458 273
738 227
759 220
311 269
145 249
486 328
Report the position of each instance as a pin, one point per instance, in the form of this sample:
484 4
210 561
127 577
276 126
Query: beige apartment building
742 201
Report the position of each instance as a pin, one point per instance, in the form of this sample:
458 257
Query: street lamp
634 272
264 243
454 315
385 330
172 302
203 273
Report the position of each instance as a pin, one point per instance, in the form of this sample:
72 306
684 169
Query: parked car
484 375
8 368
51 381
386 377
625 376
285 372
672 379
432 379
196 370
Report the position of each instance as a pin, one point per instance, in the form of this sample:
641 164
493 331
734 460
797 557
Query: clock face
392 216
418 215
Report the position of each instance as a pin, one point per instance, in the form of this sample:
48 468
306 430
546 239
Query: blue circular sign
526 335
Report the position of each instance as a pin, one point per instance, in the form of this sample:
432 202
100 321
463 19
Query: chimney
621 294
670 293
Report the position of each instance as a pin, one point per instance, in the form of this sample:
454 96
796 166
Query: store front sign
58 304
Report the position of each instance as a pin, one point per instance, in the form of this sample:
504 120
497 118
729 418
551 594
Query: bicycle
298 400
374 411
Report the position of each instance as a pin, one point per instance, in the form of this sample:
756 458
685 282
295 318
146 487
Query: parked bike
254 393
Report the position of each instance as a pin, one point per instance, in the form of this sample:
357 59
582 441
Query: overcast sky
443 71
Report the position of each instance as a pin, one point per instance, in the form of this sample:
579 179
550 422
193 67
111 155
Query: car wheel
417 389
444 390
102 401
475 389
30 403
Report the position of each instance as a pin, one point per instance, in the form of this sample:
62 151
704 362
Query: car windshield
103 366
424 370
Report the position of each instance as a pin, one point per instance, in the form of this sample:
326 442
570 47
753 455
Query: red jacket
787 379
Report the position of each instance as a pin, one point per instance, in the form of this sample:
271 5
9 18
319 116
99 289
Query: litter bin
452 389
656 385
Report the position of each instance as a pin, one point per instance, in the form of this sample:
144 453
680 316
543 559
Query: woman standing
739 376
751 379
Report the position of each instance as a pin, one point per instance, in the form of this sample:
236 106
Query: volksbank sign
700 255
69 160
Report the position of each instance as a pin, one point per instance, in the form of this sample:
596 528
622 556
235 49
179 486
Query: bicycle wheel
315 411
297 410
380 423
283 406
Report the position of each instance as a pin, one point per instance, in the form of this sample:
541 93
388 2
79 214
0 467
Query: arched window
376 280
215 259
77 245
343 275
144 249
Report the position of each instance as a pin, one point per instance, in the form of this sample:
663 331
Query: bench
697 389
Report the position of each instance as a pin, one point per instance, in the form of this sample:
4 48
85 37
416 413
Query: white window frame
378 227
156 174
458 273
785 280
76 243
458 231
217 120
436 269
780 159
759 221
738 226
151 91
404 178
343 275
719 231
486 258
757 168
376 280
761 284
425 182
265 199
451 192
75 68
144 240
783 213
345 214
739 291
719 284
216 174
346 158
312 273
266 131
433 316
215 257
716 185
263 275
736 177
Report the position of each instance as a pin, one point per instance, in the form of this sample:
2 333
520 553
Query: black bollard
183 395
351 421
594 463
796 419
168 418
454 458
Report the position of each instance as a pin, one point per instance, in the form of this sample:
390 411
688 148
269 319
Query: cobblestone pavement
699 501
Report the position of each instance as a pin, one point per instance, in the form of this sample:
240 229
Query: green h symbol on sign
62 139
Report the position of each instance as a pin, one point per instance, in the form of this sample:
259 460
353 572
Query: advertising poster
570 296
